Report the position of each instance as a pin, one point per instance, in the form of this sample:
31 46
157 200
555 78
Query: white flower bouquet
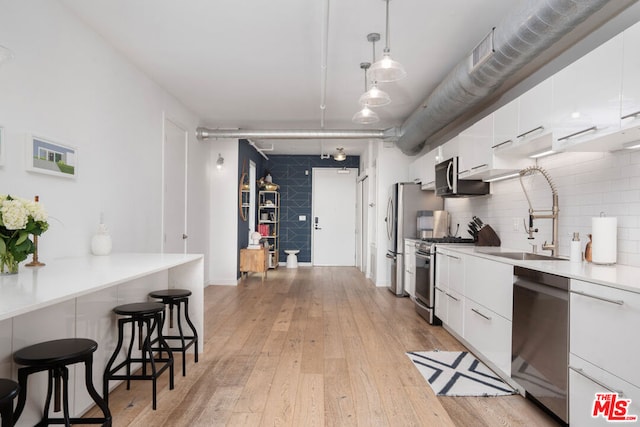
19 218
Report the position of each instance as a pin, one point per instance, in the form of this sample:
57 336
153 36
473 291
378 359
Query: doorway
174 177
333 225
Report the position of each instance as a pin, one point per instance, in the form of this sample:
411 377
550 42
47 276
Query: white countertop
66 278
618 276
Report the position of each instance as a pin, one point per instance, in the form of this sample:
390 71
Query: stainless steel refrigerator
405 200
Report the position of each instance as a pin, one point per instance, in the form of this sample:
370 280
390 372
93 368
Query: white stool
292 259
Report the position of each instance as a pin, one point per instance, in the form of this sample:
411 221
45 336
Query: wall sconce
220 161
340 155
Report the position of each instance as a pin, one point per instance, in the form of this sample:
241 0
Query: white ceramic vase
101 241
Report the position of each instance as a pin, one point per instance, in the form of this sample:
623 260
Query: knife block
487 237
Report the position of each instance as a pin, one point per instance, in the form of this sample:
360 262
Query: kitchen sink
527 256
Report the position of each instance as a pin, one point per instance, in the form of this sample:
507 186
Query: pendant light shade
386 69
365 116
374 97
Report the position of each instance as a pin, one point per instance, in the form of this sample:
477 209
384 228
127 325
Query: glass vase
8 264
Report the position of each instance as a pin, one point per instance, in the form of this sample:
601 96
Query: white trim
179 125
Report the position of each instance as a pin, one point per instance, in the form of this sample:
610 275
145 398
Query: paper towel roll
605 239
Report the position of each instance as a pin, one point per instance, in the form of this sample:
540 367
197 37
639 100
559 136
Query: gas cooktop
449 239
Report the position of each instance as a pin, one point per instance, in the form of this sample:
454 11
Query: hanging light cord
386 35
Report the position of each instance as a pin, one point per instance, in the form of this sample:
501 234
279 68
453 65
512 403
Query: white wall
391 166
587 184
65 83
224 213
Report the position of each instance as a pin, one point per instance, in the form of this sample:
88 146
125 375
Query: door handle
315 224
184 236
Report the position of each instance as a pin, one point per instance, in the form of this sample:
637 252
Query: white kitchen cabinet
428 170
475 148
599 331
422 170
490 283
410 267
505 124
587 97
449 149
450 289
414 170
489 333
630 101
535 111
479 159
533 125
585 380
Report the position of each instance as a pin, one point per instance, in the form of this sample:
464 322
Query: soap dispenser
576 248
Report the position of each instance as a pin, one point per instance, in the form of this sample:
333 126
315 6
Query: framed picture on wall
51 158
1 146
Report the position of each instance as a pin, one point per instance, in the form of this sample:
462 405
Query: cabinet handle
600 383
480 314
502 143
479 166
463 172
430 182
592 128
452 297
451 256
612 301
530 131
627 116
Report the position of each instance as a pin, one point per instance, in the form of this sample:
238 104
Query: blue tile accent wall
288 171
245 153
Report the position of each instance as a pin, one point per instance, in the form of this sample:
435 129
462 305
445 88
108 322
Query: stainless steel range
426 274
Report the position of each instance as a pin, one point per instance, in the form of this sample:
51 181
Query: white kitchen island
74 297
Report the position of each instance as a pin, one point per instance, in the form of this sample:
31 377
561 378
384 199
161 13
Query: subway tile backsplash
587 184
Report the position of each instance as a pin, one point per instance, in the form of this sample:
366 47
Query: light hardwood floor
315 346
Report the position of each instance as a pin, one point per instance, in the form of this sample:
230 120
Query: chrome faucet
542 214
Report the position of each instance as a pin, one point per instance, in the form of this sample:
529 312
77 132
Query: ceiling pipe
323 62
260 150
518 39
203 133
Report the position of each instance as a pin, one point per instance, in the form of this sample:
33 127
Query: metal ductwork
519 38
205 133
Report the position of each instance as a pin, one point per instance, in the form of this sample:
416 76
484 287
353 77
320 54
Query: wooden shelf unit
269 223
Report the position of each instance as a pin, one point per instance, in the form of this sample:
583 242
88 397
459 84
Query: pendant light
374 97
365 116
340 155
386 69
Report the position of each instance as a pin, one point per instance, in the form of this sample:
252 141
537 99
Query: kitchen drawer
455 311
601 321
489 333
490 283
585 380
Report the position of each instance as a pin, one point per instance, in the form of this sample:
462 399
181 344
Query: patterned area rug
458 373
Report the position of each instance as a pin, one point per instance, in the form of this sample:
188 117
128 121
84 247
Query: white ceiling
256 64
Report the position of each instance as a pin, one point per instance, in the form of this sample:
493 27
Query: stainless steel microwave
448 184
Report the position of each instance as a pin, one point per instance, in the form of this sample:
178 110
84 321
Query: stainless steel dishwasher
540 338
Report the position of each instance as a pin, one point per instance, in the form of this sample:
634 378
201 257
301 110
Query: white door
334 216
174 220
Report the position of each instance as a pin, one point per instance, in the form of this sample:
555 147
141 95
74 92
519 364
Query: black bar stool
147 314
175 298
8 391
54 356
